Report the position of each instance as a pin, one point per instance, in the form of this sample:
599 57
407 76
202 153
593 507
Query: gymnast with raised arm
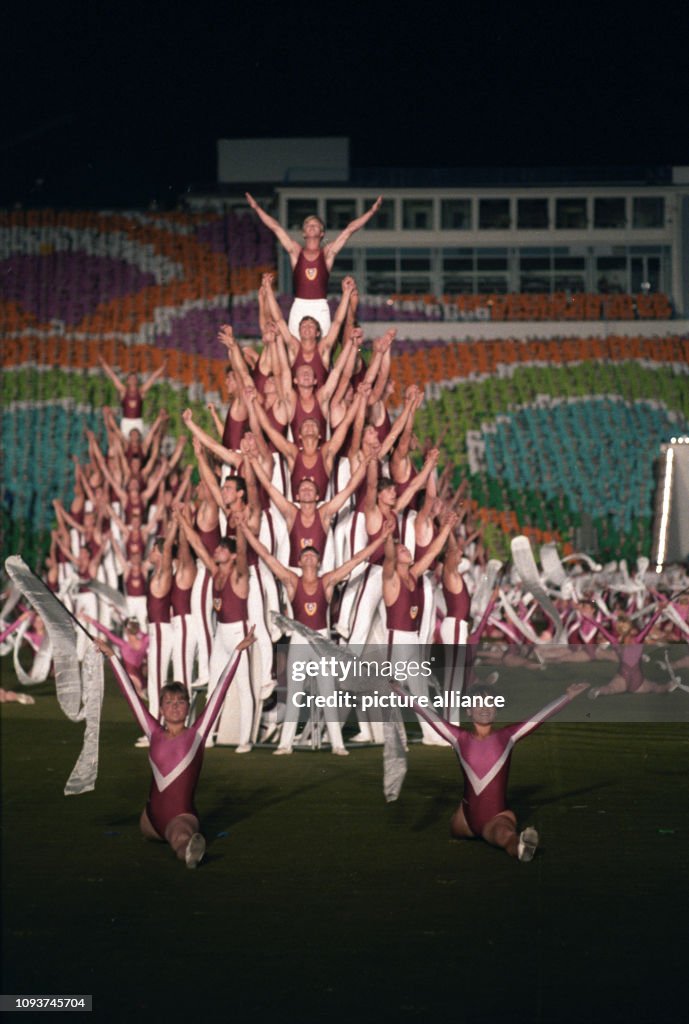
176 755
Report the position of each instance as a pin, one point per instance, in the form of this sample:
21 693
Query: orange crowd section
439 362
559 306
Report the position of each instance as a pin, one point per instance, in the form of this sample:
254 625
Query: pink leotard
175 760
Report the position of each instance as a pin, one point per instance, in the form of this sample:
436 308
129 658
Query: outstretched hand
574 689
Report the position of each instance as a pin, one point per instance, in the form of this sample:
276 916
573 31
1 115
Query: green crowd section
553 446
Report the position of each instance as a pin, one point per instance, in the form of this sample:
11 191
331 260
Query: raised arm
194 540
280 571
417 482
155 376
331 579
110 373
287 243
331 250
286 508
232 458
325 344
419 568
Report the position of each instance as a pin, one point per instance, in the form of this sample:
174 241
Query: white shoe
142 741
340 751
361 737
528 844
196 848
24 698
593 693
491 679
282 750
243 748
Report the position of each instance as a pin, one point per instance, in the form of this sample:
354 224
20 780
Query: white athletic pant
236 722
317 308
405 645
136 609
159 657
453 633
202 615
320 685
183 647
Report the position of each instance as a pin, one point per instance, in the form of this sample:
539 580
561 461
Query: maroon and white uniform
485 763
160 647
310 284
233 431
311 609
182 643
317 473
453 633
202 603
302 536
132 413
175 760
236 723
301 414
320 370
136 592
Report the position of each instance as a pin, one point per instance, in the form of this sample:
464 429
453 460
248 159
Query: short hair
319 332
229 543
159 543
384 483
312 216
309 547
172 688
239 483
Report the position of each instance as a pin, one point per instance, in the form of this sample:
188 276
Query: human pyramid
309 503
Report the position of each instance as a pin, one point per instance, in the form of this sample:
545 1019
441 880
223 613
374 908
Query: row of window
620 269
504 214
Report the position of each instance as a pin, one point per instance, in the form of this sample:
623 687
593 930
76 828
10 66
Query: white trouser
182 649
129 423
236 722
202 615
317 308
85 603
136 609
320 685
405 646
453 633
159 657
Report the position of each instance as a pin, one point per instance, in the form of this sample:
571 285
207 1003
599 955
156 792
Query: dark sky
115 104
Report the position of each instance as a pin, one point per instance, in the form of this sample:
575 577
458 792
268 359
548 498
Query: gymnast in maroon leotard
484 757
176 755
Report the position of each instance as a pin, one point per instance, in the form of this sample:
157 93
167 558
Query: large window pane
491 262
384 218
417 214
455 214
569 283
455 284
530 263
492 284
569 263
381 284
609 213
416 260
338 213
649 211
298 210
532 213
570 213
494 214
381 260
415 284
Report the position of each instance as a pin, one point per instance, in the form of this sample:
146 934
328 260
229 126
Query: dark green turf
319 902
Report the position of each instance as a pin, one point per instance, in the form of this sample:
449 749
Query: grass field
318 901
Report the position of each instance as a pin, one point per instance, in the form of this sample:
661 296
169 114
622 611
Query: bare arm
331 250
419 568
331 579
418 481
277 568
219 450
119 386
287 243
155 376
325 344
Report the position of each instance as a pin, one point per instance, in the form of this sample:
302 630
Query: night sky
117 104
